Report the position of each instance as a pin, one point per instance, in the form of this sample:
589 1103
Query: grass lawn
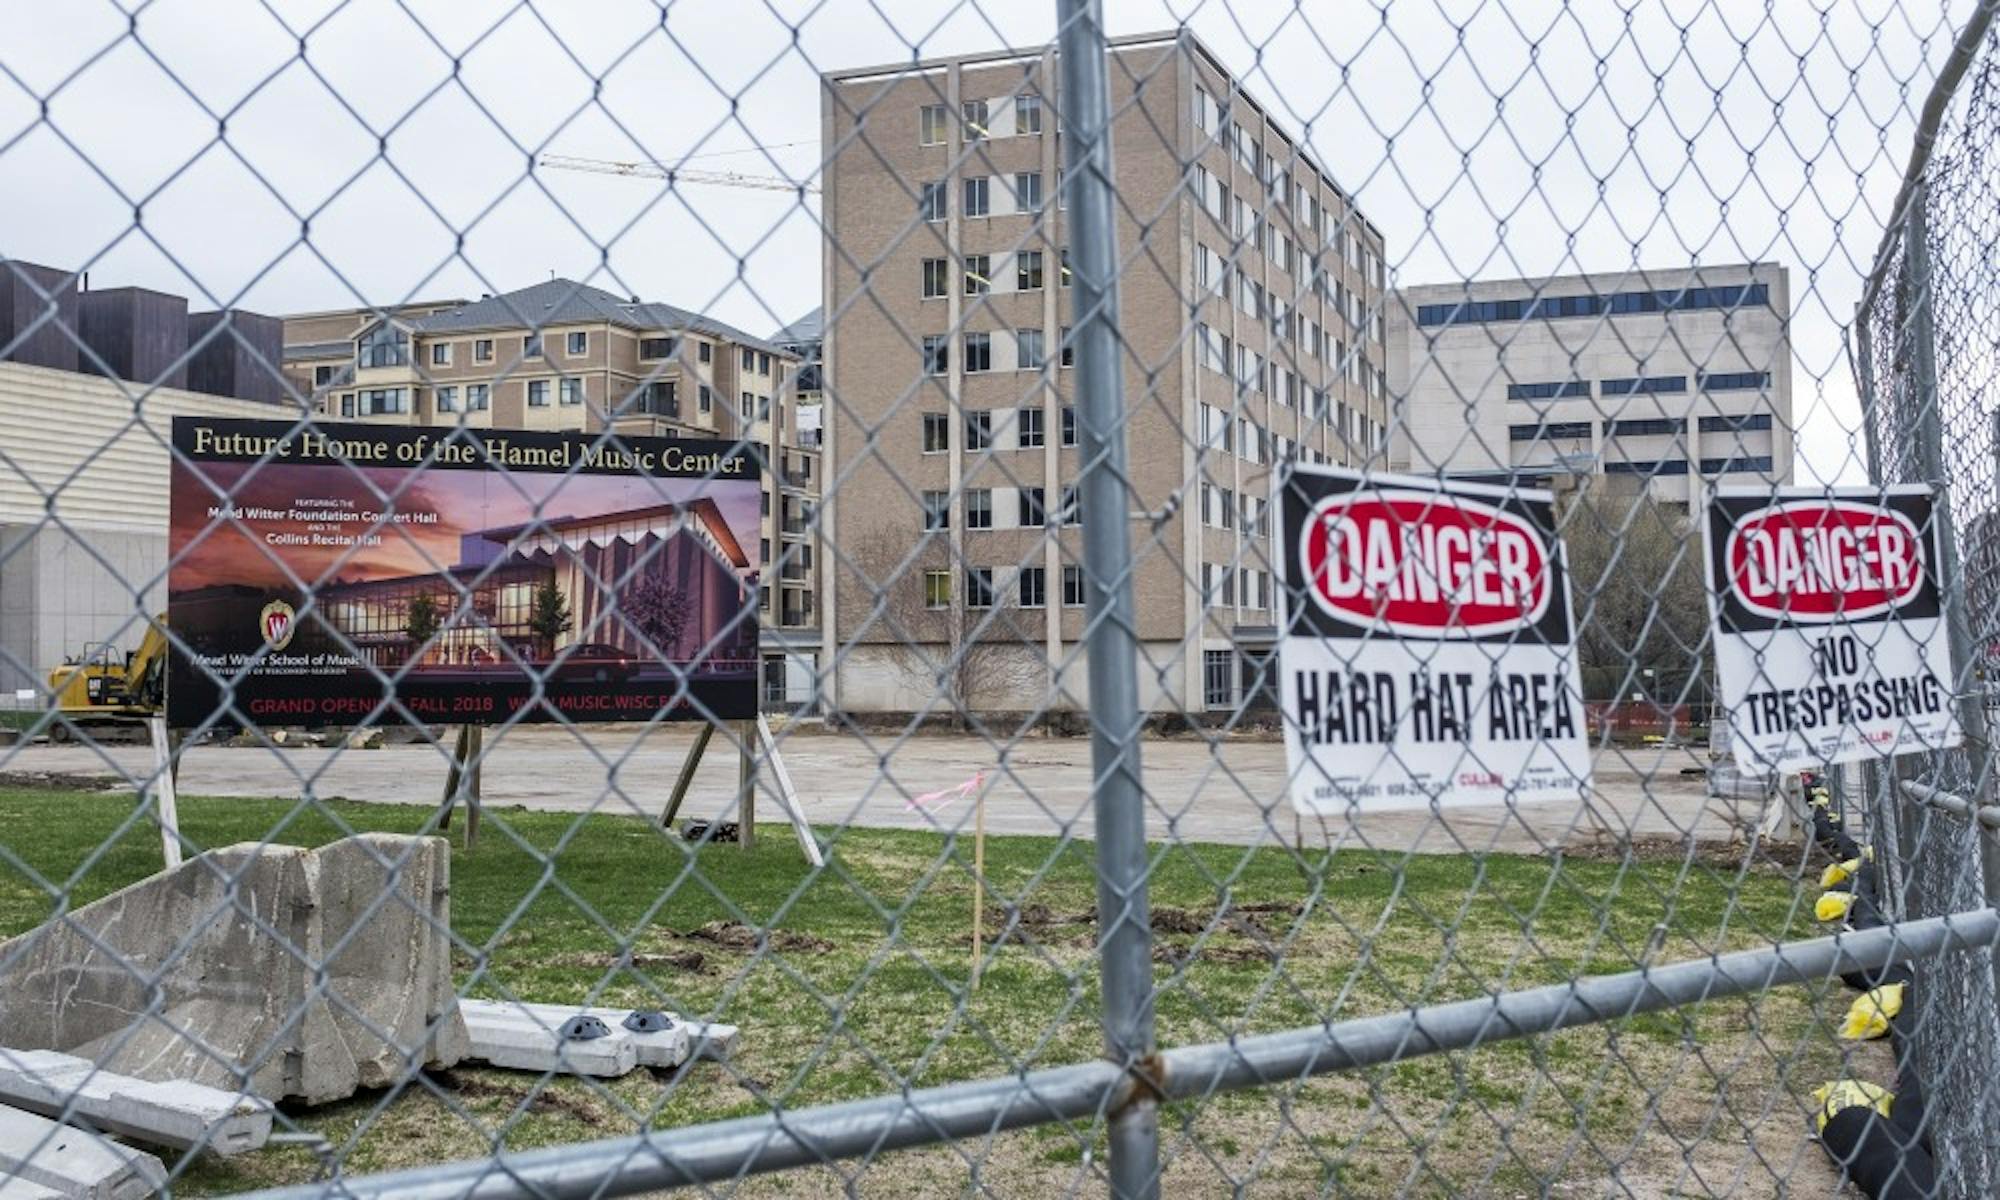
860 984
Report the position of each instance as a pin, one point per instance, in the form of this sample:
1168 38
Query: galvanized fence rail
1089 289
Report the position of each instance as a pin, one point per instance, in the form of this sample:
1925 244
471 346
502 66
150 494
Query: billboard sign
320 571
1426 644
1830 642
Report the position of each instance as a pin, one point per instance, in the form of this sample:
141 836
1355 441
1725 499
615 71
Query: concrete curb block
74 1162
176 1114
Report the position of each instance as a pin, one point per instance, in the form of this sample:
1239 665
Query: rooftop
567 302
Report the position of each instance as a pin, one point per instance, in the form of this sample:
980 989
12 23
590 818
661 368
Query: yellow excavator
106 683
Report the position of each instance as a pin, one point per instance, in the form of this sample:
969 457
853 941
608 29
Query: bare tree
1642 607
978 657
657 607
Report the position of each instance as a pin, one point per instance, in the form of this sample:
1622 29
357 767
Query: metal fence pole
1124 914
1971 712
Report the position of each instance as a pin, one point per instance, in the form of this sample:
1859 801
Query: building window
937 278
538 393
937 354
1734 381
383 346
749 360
978 430
1562 390
382 402
441 354
1218 675
1028 350
1072 580
576 345
322 376
659 398
1027 113
978 274
937 510
978 508
931 202
1028 428
974 112
1033 514
1027 191
655 348
1554 429
706 399
1069 425
1070 511
937 589
482 350
571 391
531 346
1028 271
347 404
1034 587
978 353
1746 423
478 397
705 352
447 399
931 125
747 404
978 196
1653 385
1746 462
1063 264
937 433
979 587
1068 348
1643 427
763 362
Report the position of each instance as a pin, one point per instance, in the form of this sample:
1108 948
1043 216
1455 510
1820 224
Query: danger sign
1426 644
1830 642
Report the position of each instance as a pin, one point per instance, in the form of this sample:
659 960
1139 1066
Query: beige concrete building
1660 379
563 355
1253 327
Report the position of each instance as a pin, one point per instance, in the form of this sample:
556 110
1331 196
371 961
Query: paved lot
1229 792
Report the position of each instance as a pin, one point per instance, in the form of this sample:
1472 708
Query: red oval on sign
1421 564
1824 560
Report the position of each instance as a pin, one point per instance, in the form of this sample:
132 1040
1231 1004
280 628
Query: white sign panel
1426 653
1830 642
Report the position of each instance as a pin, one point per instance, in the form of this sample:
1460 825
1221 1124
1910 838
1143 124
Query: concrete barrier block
74 1162
230 946
505 1035
178 1114
662 1048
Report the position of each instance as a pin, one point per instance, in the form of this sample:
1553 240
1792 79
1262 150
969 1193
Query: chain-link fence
1204 585
1920 330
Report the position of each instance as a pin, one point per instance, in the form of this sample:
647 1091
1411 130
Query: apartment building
1253 328
1666 380
563 355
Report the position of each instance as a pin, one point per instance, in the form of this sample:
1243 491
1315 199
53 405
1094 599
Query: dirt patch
547 1100
33 781
735 935
1775 857
691 961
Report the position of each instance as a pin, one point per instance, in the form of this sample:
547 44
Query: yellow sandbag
1869 1015
1840 1095
1833 906
1839 872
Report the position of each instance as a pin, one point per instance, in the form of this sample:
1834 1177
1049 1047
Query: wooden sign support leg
978 883
686 779
746 785
165 801
470 770
451 778
788 796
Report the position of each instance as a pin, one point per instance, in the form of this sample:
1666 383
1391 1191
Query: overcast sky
1483 139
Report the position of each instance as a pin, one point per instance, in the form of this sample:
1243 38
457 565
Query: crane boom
653 170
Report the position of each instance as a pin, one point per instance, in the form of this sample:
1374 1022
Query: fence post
1971 711
1124 916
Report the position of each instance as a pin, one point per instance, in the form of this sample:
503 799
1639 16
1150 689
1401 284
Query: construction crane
653 170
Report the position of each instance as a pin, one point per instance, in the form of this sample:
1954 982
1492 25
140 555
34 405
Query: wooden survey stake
165 802
462 784
978 882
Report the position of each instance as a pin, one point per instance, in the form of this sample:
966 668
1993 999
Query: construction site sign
326 574
1830 639
1426 652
